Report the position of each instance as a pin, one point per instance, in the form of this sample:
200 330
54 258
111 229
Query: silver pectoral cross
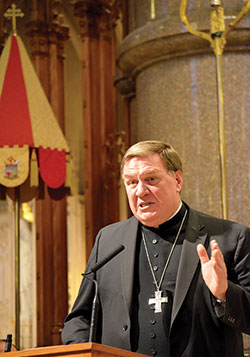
157 300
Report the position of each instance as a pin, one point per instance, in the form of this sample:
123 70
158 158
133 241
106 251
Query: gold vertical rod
221 123
17 266
217 39
152 10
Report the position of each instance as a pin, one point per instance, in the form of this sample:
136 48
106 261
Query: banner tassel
34 175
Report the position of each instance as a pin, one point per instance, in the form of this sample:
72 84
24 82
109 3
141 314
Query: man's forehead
143 165
129 171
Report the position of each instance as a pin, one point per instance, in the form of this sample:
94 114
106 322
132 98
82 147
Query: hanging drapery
33 149
31 140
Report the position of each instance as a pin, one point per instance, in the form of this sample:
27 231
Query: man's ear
179 181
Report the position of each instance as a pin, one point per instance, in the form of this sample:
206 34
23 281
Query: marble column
174 74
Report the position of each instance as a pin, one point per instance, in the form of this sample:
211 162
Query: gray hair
169 156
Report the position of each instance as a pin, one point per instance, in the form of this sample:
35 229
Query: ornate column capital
46 27
58 34
43 33
115 148
96 16
3 31
38 32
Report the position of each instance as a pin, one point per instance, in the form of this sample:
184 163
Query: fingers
214 270
216 254
202 254
216 259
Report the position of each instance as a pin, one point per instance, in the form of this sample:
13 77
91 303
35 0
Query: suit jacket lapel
128 260
189 260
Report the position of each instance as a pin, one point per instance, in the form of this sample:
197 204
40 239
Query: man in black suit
181 287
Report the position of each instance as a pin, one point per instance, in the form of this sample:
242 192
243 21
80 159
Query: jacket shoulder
213 222
121 225
116 232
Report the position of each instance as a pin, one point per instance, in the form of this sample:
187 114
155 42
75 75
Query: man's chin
148 219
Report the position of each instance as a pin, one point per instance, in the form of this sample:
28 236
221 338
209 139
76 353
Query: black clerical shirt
150 330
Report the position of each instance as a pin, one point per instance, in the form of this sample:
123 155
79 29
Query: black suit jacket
196 330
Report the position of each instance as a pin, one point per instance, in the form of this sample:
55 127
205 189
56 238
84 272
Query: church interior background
116 72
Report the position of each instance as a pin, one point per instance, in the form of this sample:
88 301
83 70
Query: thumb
202 253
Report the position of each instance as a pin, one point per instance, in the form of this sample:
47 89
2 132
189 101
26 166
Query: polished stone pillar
174 74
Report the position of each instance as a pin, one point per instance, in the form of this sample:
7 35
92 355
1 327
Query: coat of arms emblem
11 168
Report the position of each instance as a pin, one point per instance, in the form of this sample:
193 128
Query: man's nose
141 189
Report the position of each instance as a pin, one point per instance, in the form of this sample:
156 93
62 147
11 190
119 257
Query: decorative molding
157 41
115 149
96 17
38 32
47 27
43 33
58 34
125 86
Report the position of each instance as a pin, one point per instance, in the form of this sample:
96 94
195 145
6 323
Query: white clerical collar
178 209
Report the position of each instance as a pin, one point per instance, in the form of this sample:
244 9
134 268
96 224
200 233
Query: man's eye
132 183
150 179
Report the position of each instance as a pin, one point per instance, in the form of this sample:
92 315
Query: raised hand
214 270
